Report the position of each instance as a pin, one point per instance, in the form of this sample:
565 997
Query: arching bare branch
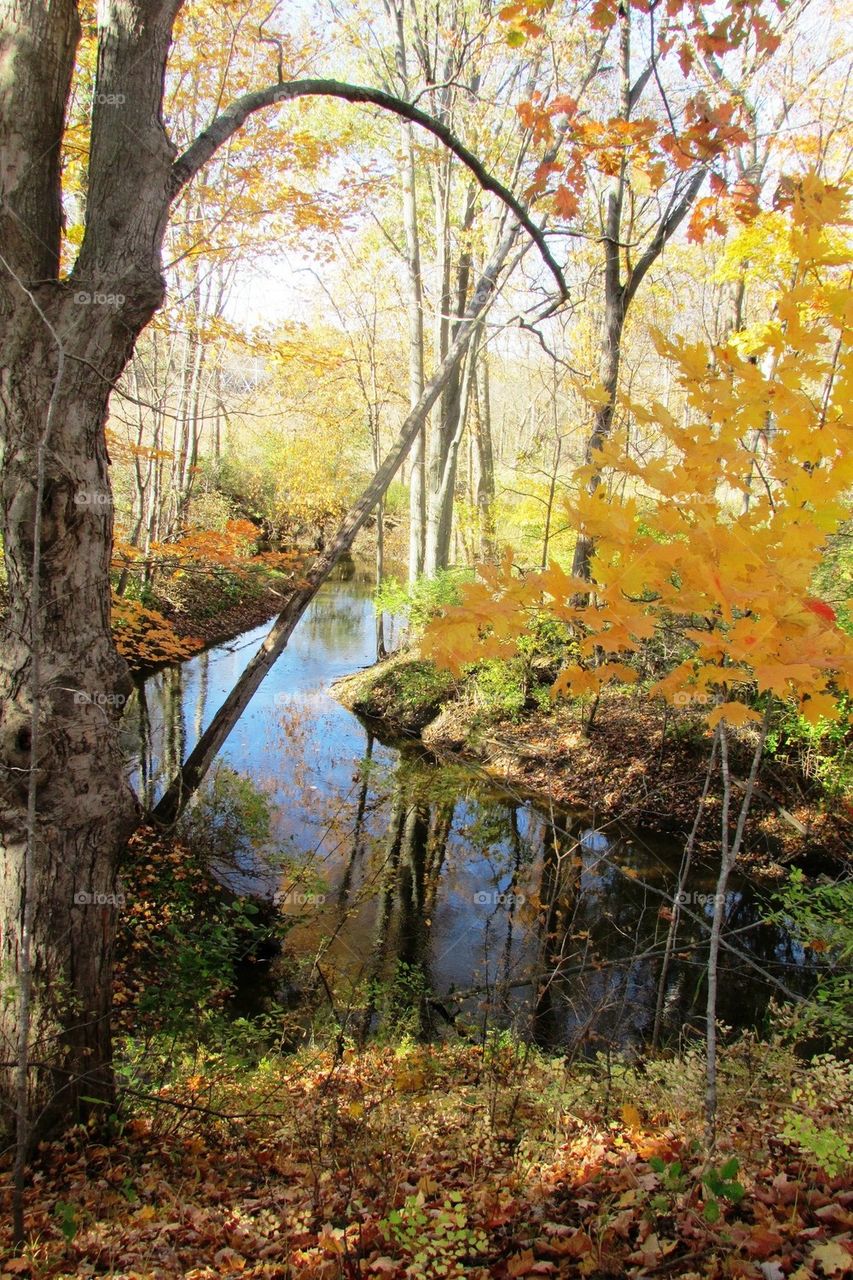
234 117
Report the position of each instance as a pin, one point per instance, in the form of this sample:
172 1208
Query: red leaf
821 609
565 202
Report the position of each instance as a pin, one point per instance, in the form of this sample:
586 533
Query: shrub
419 603
823 751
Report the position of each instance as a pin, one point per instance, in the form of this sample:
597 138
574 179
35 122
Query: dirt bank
641 763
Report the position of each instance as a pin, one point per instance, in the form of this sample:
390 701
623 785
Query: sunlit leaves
725 525
145 637
734 713
523 19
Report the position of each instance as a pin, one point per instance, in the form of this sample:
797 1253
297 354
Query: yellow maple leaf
631 1116
734 713
818 706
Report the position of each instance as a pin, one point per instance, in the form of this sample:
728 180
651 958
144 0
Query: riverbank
206 607
642 763
221 620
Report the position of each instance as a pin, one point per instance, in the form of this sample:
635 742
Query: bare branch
234 117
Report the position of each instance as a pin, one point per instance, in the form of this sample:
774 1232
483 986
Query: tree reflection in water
426 893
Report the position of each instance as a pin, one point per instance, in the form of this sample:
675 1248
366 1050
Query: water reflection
410 881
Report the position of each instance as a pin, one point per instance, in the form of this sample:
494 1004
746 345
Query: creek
403 876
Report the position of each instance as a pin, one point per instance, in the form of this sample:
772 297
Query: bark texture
62 684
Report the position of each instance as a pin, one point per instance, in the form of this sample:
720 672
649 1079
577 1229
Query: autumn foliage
721 520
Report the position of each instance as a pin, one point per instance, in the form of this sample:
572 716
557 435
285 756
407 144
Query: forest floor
429 1163
642 763
221 619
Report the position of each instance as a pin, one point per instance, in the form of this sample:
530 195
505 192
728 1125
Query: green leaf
712 1211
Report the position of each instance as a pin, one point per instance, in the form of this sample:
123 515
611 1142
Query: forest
426 639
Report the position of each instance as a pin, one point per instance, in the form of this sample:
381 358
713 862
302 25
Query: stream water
401 874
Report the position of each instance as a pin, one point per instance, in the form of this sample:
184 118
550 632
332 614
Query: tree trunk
447 429
484 495
415 305
78 684
618 291
65 806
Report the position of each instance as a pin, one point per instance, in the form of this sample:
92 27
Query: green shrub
419 603
820 917
502 687
823 751
819 1122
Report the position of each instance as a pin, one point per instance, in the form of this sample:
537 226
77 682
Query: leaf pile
460 1161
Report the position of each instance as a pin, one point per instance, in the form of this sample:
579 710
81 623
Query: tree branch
235 115
665 231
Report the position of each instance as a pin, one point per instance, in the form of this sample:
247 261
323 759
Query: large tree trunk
65 806
66 890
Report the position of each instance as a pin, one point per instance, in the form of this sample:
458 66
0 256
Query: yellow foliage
769 420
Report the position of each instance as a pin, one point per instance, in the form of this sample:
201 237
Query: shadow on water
417 889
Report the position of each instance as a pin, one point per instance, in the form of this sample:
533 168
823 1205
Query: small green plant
66 1217
826 1148
673 1181
720 1185
436 1238
502 687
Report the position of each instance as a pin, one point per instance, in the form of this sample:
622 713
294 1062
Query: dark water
402 876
